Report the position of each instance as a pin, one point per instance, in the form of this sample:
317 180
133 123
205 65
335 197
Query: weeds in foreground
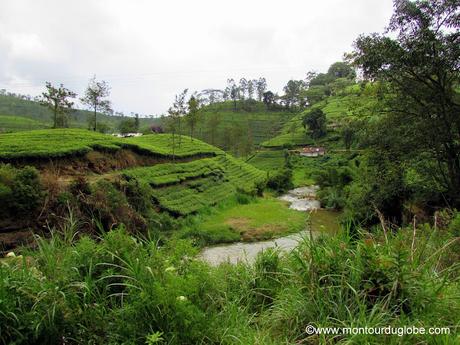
123 290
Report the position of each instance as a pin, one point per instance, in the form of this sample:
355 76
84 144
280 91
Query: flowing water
300 199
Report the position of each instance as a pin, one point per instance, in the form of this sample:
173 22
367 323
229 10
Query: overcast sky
150 50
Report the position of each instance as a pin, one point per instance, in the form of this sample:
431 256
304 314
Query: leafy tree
348 135
341 70
320 79
316 122
171 125
281 181
418 59
261 86
269 99
251 85
94 98
293 93
233 92
57 100
192 115
315 94
179 110
127 125
243 88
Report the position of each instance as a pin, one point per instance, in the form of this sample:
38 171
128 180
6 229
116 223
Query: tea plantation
184 188
74 142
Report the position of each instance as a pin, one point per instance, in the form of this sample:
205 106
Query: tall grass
118 289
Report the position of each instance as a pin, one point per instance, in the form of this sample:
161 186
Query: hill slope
182 181
237 130
29 109
350 103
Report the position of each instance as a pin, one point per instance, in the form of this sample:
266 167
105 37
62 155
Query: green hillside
10 123
184 188
72 142
236 130
29 109
357 101
192 176
254 120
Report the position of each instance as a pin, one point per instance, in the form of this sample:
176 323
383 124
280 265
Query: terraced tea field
184 188
182 179
77 142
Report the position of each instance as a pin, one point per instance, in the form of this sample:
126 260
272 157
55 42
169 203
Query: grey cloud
149 50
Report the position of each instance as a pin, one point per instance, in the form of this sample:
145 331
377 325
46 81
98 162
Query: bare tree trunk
95 118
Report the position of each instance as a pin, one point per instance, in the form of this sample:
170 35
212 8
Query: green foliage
420 81
128 125
281 181
21 192
220 125
316 122
170 173
57 100
120 290
24 108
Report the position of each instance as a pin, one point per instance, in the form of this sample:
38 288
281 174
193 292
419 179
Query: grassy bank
246 219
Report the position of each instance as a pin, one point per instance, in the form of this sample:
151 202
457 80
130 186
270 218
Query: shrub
281 181
21 192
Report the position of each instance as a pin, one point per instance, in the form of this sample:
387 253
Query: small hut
312 151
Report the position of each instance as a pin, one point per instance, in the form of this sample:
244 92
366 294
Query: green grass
301 177
53 143
17 123
122 290
260 219
325 221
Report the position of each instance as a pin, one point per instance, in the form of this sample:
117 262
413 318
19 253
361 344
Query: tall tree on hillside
293 93
171 126
233 92
243 88
261 86
95 98
341 70
136 122
269 99
180 109
421 67
251 87
57 100
316 122
192 115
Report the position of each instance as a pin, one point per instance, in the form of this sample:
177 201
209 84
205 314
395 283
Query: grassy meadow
247 220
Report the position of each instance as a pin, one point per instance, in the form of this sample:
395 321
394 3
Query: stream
300 199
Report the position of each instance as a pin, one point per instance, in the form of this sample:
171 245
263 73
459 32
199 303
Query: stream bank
302 199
